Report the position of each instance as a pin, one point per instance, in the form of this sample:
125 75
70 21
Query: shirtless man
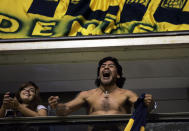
109 98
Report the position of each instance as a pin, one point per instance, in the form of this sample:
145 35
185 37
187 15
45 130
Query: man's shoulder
126 91
88 92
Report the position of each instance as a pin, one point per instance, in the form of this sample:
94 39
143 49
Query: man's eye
111 66
103 66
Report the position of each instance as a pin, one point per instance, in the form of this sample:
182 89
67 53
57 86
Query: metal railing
72 119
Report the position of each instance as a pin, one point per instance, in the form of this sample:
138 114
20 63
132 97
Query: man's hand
148 99
53 101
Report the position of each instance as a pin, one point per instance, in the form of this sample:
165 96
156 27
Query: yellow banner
58 18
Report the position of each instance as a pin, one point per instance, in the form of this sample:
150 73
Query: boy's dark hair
120 81
36 100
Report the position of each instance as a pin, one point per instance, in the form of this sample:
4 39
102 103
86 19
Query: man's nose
106 66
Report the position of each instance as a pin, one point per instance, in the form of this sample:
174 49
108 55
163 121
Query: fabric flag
137 121
58 18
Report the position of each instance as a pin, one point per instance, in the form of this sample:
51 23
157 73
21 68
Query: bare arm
25 110
2 111
148 100
30 113
6 104
132 97
69 107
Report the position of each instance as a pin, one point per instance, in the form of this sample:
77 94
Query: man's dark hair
120 81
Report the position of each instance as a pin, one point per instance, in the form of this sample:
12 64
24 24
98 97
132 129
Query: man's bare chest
106 102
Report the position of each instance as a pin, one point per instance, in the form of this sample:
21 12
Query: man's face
108 73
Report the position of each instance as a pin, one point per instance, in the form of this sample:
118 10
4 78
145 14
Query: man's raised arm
69 107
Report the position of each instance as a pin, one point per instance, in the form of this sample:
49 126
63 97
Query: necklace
106 92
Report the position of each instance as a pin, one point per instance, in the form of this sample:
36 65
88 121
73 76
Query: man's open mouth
106 74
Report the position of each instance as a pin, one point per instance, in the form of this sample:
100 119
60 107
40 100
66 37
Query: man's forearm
62 110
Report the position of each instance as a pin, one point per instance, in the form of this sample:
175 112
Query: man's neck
108 89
